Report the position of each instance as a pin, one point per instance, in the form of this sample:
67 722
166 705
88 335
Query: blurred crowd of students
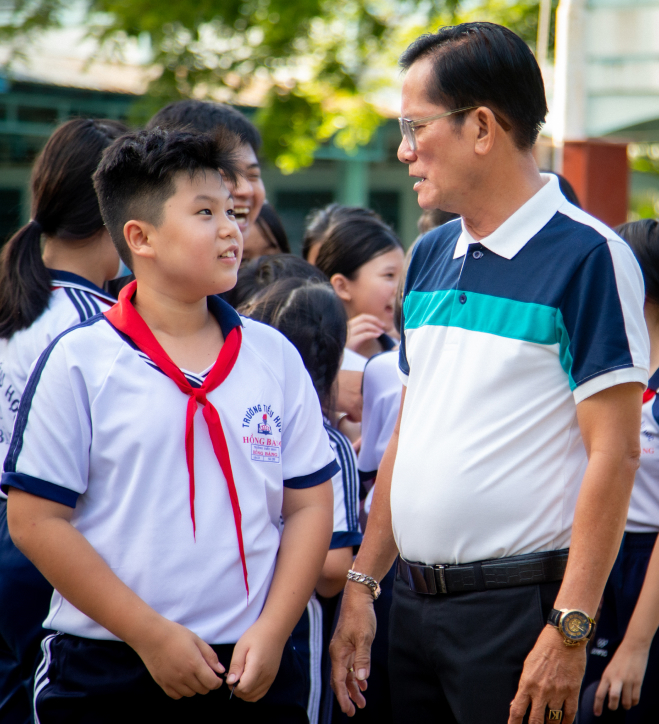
340 306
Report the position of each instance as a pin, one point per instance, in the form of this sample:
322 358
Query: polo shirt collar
511 237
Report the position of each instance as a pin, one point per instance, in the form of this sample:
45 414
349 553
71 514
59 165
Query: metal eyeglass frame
407 125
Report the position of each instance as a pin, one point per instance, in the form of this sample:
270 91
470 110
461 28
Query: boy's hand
255 662
179 661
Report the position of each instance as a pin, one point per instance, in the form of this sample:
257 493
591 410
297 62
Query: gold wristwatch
576 626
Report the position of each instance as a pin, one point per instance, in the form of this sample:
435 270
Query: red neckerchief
124 317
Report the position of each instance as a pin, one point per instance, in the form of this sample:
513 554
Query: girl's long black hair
64 204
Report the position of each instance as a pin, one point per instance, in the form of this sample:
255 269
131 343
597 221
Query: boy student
158 523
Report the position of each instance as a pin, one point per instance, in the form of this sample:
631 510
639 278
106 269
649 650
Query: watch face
575 625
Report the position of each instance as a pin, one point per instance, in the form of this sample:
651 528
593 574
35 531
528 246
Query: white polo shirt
72 300
502 339
643 516
100 428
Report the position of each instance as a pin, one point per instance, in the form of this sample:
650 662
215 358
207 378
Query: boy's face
197 247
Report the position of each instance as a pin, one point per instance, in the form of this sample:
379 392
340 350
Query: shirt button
463 298
477 254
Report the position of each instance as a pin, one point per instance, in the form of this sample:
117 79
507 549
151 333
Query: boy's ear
137 235
340 284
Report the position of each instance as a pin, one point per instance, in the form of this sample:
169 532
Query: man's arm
355 631
179 661
304 543
623 677
610 423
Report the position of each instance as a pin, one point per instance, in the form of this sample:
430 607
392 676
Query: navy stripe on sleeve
345 539
16 444
70 293
345 452
309 481
39 487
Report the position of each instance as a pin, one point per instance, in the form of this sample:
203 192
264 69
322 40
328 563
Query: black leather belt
485 575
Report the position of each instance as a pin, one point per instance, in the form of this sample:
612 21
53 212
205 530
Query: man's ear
340 284
486 130
138 235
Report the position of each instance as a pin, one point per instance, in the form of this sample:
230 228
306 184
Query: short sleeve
49 451
601 327
346 531
307 457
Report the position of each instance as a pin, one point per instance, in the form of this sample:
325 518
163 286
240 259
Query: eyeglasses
407 125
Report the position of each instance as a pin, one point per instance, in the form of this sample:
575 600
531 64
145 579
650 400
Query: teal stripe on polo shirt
525 321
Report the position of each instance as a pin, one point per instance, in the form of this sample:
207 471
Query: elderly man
524 357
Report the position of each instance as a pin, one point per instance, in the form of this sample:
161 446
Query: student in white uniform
308 313
623 665
157 522
42 293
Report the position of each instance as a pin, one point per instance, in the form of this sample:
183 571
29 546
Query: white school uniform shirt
382 390
72 300
643 516
100 428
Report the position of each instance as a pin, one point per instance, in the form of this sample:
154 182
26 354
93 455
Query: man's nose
405 153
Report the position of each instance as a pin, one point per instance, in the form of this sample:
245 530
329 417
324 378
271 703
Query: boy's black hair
310 315
137 174
256 275
207 117
484 64
643 238
353 241
64 205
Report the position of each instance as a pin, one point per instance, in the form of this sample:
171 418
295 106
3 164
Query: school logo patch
264 439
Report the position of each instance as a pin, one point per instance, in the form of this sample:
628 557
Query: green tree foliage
319 69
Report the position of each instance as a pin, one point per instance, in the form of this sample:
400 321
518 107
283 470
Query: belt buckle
442 577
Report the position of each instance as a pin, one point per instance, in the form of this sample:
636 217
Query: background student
158 522
208 117
266 236
626 651
363 259
44 290
308 313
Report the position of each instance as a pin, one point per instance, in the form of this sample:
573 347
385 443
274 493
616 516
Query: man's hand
255 661
178 660
622 678
551 679
351 647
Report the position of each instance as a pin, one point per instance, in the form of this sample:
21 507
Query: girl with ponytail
51 274
310 315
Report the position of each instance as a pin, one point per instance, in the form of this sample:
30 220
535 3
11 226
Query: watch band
554 618
372 584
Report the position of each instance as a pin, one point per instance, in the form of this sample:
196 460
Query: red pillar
598 173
